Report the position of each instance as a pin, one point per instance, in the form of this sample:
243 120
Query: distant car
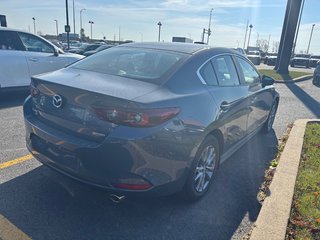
300 60
240 50
254 57
152 118
314 59
271 59
102 47
84 48
316 74
23 55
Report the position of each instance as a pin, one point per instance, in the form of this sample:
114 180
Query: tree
263 45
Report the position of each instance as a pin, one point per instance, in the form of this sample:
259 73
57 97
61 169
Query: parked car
102 47
84 48
314 59
240 50
23 54
153 118
316 74
254 57
271 59
300 60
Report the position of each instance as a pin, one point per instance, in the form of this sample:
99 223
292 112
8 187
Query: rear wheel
272 114
203 169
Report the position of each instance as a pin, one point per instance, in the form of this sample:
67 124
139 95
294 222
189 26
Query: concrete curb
299 79
275 212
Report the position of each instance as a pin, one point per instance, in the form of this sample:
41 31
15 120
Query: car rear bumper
158 159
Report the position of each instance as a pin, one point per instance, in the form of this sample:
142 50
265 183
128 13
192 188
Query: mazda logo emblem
57 101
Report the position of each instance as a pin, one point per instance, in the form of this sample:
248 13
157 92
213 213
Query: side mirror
267 81
56 52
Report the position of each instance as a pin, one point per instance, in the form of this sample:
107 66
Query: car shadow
46 205
312 104
13 99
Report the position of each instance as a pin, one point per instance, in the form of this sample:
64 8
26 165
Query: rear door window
250 75
226 71
208 75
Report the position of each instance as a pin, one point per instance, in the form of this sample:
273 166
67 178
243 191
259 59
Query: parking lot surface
45 205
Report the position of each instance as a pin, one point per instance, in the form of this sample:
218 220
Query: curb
275 212
299 79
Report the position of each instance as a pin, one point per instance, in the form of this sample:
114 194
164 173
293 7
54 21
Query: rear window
137 63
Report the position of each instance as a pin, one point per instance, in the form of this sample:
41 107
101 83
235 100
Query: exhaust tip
116 198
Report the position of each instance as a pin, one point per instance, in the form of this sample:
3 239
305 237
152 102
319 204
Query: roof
188 48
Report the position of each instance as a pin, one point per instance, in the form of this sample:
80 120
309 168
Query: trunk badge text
57 101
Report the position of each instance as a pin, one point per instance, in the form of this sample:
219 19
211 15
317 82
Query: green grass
305 213
276 76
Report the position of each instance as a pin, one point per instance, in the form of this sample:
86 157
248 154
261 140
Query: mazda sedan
154 118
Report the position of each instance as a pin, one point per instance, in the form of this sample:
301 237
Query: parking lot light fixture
159 24
249 36
91 22
34 25
57 27
83 9
310 38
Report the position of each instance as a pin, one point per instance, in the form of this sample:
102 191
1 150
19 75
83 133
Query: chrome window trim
218 55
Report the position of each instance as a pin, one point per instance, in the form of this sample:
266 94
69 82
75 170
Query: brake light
136 117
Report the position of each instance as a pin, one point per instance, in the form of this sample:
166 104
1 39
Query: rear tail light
132 184
34 91
138 117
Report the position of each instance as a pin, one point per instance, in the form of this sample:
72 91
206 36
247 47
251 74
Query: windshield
137 63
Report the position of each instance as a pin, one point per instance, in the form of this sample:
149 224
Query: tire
267 127
203 169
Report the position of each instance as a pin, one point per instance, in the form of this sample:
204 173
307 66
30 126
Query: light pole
297 32
310 38
57 27
245 36
83 9
34 25
209 30
249 36
91 22
159 24
74 21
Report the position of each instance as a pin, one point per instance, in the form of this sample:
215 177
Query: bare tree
263 45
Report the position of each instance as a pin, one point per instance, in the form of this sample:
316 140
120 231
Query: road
46 205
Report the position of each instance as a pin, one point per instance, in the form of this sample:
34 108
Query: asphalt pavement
45 205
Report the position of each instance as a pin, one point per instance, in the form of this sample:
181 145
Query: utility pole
57 27
74 22
297 32
159 24
310 38
67 27
245 36
209 30
249 36
91 22
34 25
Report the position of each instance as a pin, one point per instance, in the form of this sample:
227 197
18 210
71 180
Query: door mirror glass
267 81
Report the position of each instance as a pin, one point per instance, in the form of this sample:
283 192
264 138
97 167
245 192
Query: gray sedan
153 118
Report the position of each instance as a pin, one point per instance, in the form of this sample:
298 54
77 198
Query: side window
208 75
35 44
225 70
9 40
250 75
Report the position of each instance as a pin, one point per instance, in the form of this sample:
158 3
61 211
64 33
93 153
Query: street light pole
56 27
310 38
209 30
83 9
91 22
34 25
67 27
297 32
245 36
74 21
249 36
159 24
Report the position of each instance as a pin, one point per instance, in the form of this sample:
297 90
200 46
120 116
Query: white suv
23 55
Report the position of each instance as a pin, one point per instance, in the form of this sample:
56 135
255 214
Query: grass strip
284 77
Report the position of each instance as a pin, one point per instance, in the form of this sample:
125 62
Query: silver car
316 74
148 118
23 54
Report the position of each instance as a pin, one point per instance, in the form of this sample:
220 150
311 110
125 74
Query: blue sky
137 19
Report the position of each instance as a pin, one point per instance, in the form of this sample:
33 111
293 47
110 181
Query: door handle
33 59
225 106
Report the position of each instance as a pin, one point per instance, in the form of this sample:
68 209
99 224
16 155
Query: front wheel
272 114
203 169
